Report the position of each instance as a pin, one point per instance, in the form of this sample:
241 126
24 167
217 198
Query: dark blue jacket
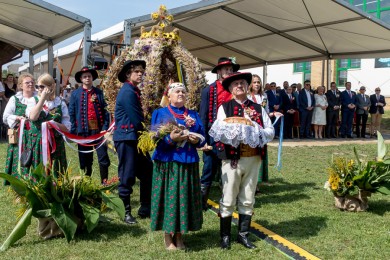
128 114
78 111
274 100
303 102
206 110
346 100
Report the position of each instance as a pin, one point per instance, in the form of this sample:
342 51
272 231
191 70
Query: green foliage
70 200
347 177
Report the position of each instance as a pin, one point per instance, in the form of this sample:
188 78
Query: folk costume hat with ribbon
236 76
223 61
84 70
175 85
122 74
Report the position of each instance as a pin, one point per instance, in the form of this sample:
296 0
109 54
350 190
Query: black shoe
342 136
144 211
205 190
225 231
129 219
244 223
349 136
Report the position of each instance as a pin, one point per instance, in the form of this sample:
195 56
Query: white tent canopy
269 31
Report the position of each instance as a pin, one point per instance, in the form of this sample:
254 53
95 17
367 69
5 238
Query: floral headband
176 85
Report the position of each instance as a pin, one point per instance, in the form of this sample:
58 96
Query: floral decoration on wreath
166 60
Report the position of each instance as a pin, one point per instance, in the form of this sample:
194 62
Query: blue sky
105 13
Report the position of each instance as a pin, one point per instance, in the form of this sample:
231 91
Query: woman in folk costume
176 197
242 129
14 115
52 107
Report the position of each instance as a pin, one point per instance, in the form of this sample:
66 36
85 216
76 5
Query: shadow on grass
202 240
110 231
379 207
275 199
278 185
303 227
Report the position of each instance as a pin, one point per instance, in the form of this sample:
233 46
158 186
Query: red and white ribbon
48 141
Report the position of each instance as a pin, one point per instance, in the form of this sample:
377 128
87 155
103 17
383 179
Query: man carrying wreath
241 130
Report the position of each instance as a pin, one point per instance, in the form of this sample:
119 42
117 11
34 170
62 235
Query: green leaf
39 173
19 230
64 220
91 215
43 213
115 203
384 190
19 186
382 149
357 156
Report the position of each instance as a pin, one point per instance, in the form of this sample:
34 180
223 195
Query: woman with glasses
49 107
14 115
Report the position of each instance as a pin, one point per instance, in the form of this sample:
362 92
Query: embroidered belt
93 124
247 151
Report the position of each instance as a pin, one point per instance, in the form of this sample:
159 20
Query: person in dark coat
333 110
289 108
274 104
88 115
306 106
212 97
363 104
376 110
348 105
128 122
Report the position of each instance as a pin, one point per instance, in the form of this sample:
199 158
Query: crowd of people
236 120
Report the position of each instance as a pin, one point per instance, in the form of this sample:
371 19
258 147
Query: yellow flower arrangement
348 176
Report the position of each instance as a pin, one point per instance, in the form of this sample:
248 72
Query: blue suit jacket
128 114
346 100
205 109
273 100
303 102
78 111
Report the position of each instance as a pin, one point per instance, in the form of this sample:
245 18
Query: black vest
234 109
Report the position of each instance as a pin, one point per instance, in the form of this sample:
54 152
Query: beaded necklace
176 115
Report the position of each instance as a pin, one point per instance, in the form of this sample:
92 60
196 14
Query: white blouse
9 116
49 105
259 100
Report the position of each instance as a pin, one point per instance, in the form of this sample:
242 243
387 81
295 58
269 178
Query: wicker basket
238 120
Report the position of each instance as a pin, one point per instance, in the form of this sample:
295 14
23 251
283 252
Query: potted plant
353 181
62 204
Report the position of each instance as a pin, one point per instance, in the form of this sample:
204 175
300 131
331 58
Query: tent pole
323 74
50 58
264 75
31 62
87 43
328 73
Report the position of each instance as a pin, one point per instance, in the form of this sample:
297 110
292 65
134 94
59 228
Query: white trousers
239 186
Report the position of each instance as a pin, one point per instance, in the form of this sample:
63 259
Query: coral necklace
176 115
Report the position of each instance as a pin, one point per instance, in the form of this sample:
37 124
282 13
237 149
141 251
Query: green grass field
295 206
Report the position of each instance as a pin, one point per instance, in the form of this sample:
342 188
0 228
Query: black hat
239 75
225 62
83 70
122 74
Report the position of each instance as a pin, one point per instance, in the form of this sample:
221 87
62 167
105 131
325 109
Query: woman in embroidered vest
50 107
176 197
14 113
242 129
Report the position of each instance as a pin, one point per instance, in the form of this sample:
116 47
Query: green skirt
176 199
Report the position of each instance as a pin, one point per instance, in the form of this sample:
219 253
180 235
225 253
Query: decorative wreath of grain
160 54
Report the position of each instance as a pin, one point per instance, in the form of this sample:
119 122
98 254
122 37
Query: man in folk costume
88 115
213 96
241 130
128 122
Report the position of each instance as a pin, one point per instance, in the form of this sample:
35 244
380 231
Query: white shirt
9 116
259 100
308 98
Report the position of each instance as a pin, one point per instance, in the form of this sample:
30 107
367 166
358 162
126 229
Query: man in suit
129 118
348 105
88 115
363 104
274 104
306 106
289 107
376 110
212 97
333 110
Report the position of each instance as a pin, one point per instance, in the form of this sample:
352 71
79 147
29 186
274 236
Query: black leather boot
244 223
225 230
103 173
144 211
129 219
205 190
88 170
